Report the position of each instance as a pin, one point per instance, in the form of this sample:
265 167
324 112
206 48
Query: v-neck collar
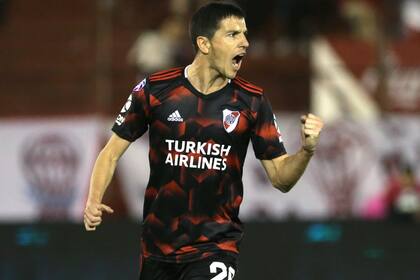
200 94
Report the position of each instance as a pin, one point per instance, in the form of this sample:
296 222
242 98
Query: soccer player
200 120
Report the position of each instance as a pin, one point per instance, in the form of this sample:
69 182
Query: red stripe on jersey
200 106
237 201
154 76
253 90
186 249
220 219
182 174
166 76
206 255
248 87
153 155
228 246
165 248
242 125
151 193
165 72
172 189
205 174
154 101
267 131
181 128
235 96
196 220
206 122
143 246
175 224
203 238
153 220
161 126
245 82
179 94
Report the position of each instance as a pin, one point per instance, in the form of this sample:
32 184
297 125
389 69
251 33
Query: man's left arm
284 171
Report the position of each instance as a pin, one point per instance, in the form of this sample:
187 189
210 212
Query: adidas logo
175 117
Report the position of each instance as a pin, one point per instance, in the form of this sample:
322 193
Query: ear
203 44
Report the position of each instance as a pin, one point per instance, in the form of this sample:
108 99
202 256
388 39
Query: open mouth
237 59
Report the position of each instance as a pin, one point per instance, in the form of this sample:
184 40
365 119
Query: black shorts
221 266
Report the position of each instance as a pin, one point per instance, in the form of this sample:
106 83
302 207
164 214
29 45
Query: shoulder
248 87
159 80
166 75
161 83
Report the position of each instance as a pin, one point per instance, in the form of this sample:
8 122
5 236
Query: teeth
236 61
236 64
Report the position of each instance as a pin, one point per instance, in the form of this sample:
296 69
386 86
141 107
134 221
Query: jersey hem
125 137
273 156
187 259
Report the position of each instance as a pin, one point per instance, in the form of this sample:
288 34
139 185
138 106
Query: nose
244 42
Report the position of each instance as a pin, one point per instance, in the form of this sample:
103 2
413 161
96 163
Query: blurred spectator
158 49
400 201
403 196
392 19
304 18
361 18
411 16
3 6
180 8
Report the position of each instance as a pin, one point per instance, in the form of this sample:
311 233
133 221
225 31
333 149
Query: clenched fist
93 214
311 128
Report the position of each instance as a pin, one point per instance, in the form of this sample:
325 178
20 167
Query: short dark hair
205 21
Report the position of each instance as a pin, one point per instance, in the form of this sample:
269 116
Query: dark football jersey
197 149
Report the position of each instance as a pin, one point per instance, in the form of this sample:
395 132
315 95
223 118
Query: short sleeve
266 137
133 120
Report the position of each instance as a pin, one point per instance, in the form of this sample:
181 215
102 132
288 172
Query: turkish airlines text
200 155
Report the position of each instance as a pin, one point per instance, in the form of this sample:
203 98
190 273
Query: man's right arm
101 177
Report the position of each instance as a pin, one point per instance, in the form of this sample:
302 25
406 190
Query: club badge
230 119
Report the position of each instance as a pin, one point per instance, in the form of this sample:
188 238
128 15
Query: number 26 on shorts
222 271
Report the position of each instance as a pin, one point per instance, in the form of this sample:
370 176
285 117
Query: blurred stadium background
67 67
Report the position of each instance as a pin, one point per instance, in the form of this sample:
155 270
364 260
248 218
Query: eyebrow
237 32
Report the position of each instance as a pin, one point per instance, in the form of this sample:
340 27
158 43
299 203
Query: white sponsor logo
175 117
140 85
277 128
120 119
127 104
200 155
230 119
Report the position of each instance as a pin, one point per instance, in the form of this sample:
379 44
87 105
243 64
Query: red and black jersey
197 149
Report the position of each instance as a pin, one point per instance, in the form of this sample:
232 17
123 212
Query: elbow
282 186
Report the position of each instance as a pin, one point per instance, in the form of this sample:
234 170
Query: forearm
102 174
289 170
284 171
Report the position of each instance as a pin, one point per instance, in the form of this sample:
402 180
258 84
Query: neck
205 78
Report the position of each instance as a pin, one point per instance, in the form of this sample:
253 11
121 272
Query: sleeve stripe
246 87
166 73
166 77
244 82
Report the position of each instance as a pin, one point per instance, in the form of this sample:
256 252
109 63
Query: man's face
228 46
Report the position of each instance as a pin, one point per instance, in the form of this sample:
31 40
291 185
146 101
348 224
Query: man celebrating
201 119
